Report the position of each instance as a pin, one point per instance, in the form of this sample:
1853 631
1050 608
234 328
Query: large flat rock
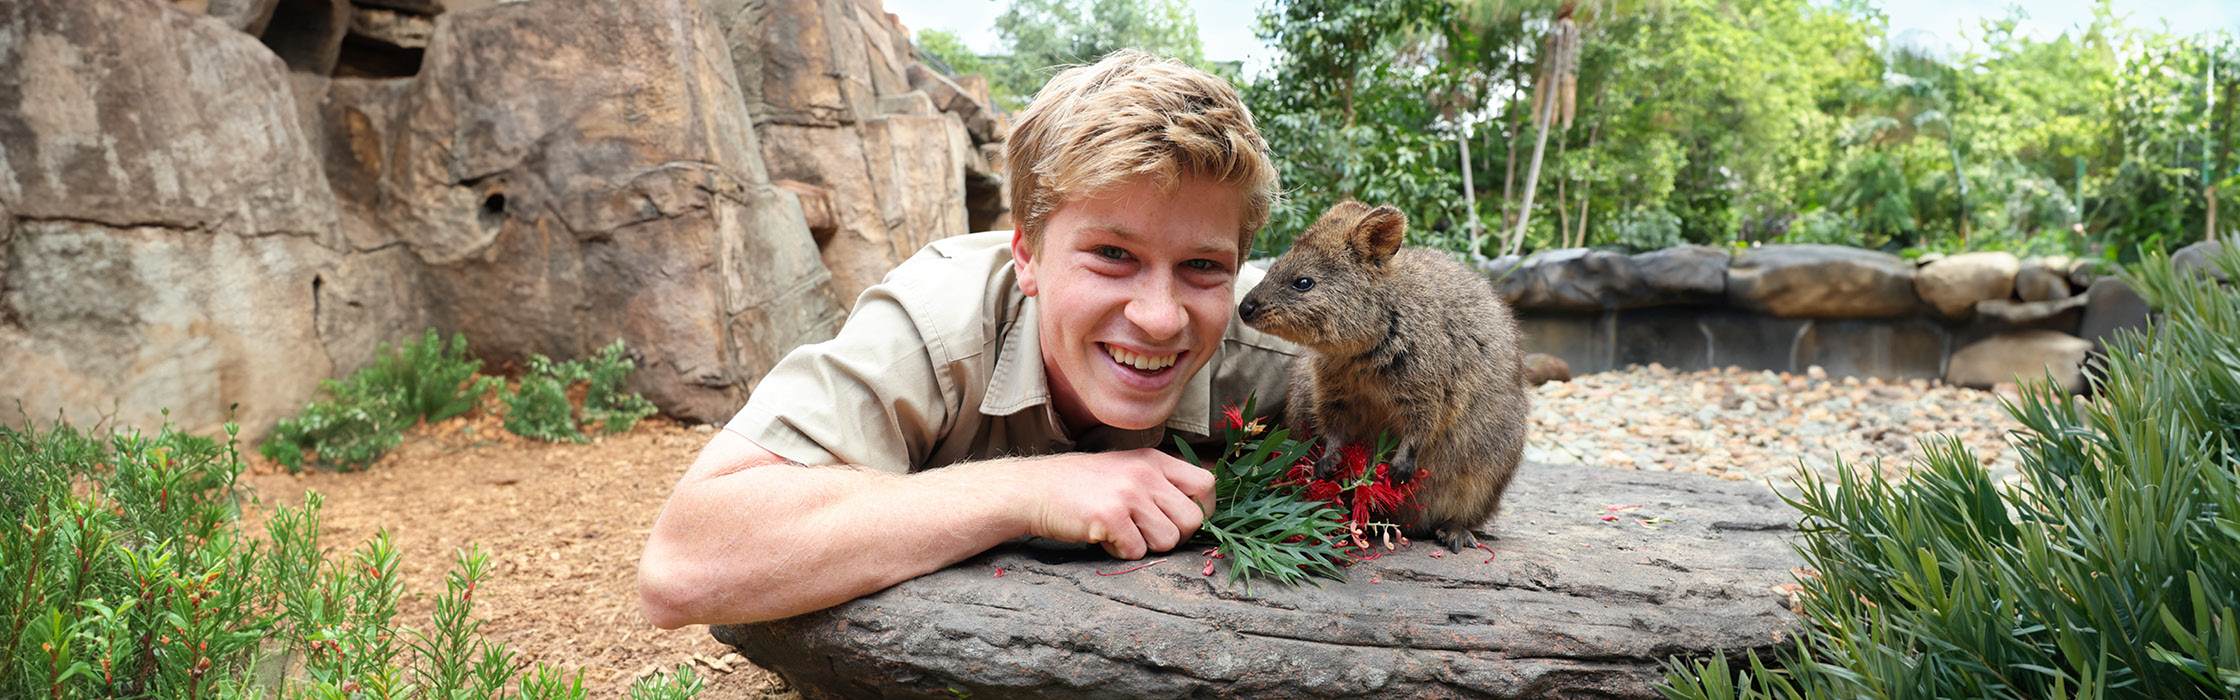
1570 606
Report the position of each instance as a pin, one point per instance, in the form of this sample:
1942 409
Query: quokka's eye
1303 283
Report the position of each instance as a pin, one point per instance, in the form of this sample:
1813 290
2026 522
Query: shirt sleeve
869 397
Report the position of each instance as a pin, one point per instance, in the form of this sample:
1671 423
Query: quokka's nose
1248 310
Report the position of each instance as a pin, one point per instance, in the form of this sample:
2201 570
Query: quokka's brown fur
1405 342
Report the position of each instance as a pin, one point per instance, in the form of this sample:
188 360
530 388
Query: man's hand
1129 502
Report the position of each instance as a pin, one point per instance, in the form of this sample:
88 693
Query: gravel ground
1736 424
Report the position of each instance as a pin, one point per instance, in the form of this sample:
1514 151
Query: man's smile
1144 363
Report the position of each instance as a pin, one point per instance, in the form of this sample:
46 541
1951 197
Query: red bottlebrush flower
1232 416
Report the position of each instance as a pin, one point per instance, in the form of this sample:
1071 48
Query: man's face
1134 291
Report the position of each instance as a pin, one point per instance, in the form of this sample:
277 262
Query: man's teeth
1148 363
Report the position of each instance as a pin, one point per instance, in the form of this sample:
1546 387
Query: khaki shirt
941 363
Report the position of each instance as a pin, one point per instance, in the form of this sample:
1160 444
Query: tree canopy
1708 121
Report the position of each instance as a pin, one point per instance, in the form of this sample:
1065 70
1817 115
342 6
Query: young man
1006 383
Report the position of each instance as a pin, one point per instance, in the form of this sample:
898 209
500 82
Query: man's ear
1022 261
1379 234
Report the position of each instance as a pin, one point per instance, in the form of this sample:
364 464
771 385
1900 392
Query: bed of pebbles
1754 425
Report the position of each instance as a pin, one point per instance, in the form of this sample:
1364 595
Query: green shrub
124 574
359 419
1823 226
434 382
1647 229
2114 573
539 407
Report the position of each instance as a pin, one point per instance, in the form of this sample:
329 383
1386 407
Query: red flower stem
1489 552
1131 569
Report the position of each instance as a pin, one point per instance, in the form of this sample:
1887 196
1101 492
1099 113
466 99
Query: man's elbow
665 597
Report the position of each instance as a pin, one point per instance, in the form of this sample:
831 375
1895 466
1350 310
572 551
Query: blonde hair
1132 114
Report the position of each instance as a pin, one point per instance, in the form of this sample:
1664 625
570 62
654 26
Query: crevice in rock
305 34
182 227
361 57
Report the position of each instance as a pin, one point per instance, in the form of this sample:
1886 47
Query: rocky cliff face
216 203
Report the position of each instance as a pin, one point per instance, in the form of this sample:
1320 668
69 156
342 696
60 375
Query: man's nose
1159 313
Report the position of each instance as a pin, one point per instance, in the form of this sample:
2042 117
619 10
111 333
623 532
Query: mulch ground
563 525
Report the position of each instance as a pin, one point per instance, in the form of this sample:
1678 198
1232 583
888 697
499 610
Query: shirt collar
1020 381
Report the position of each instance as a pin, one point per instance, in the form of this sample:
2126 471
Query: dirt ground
563 525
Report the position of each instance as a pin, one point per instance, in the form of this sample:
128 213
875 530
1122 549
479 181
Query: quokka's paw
1403 470
1326 465
1455 536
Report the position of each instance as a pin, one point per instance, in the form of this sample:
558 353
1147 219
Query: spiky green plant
2114 572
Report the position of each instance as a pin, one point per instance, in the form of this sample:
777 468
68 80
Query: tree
1043 34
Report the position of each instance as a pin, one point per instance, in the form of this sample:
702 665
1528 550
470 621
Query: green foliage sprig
1262 526
123 573
2114 572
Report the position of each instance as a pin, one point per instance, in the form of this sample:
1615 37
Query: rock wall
217 203
1975 319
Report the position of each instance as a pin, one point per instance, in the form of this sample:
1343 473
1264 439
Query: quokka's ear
1379 234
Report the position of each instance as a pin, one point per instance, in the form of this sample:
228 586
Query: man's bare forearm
741 543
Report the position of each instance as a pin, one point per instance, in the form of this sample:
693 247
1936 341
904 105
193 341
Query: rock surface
1955 284
199 212
2021 355
831 90
1687 274
163 216
1822 281
1572 605
628 182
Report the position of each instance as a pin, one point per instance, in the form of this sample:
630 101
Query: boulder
2111 305
972 108
420 7
1822 281
1569 605
248 16
403 30
2034 283
1542 368
1572 279
2083 272
801 62
1688 274
2028 355
572 172
816 208
1954 284
164 219
2057 315
2200 258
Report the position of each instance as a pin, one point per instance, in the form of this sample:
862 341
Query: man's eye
1202 264
1111 253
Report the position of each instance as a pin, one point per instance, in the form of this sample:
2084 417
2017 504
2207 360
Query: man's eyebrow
1129 235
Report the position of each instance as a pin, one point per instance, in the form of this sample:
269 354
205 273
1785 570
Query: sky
1226 25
